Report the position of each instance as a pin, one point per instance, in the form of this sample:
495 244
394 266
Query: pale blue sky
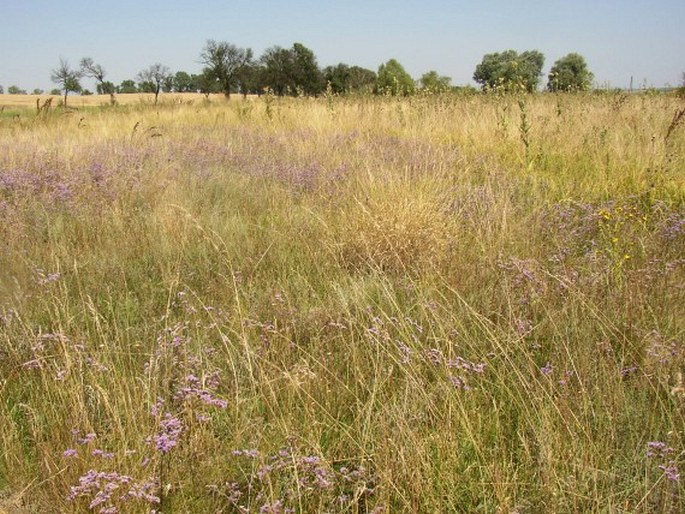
619 39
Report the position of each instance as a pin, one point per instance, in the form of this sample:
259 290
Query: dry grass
77 101
394 305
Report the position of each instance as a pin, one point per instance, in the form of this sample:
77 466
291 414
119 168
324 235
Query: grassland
80 101
430 304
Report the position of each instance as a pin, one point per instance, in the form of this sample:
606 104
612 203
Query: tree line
229 69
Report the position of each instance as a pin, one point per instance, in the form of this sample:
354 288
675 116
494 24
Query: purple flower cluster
167 439
464 368
289 478
107 489
661 452
206 396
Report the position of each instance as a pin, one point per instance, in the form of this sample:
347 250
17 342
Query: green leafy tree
570 73
2 90
510 71
107 88
56 92
95 71
349 79
225 62
278 70
307 76
38 91
183 82
152 79
68 79
362 80
338 77
128 86
16 90
434 83
291 71
394 80
206 83
252 79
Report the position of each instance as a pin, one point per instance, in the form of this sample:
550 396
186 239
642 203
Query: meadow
453 303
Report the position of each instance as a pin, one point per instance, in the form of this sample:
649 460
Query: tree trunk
66 92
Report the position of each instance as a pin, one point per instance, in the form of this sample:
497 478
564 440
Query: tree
2 90
349 79
570 73
128 86
338 77
37 91
107 88
362 80
252 79
16 90
307 76
55 92
510 71
152 79
278 70
291 71
97 72
206 83
225 62
183 82
168 83
434 83
393 79
67 78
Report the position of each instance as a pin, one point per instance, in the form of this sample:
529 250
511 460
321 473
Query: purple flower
87 439
658 449
546 369
459 382
70 452
32 364
164 442
171 431
434 355
671 471
272 508
101 453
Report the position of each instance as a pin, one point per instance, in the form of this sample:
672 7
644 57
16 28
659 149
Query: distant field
433 304
94 100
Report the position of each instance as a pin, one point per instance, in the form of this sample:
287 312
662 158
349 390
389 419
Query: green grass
433 304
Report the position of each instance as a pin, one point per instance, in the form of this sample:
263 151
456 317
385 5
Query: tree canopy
510 71
226 63
393 79
291 71
433 82
570 73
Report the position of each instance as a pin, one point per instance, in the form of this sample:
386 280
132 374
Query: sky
644 40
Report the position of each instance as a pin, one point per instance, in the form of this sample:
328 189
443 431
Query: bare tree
67 78
97 72
153 78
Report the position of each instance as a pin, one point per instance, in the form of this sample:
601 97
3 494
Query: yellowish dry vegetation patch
29 101
345 305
